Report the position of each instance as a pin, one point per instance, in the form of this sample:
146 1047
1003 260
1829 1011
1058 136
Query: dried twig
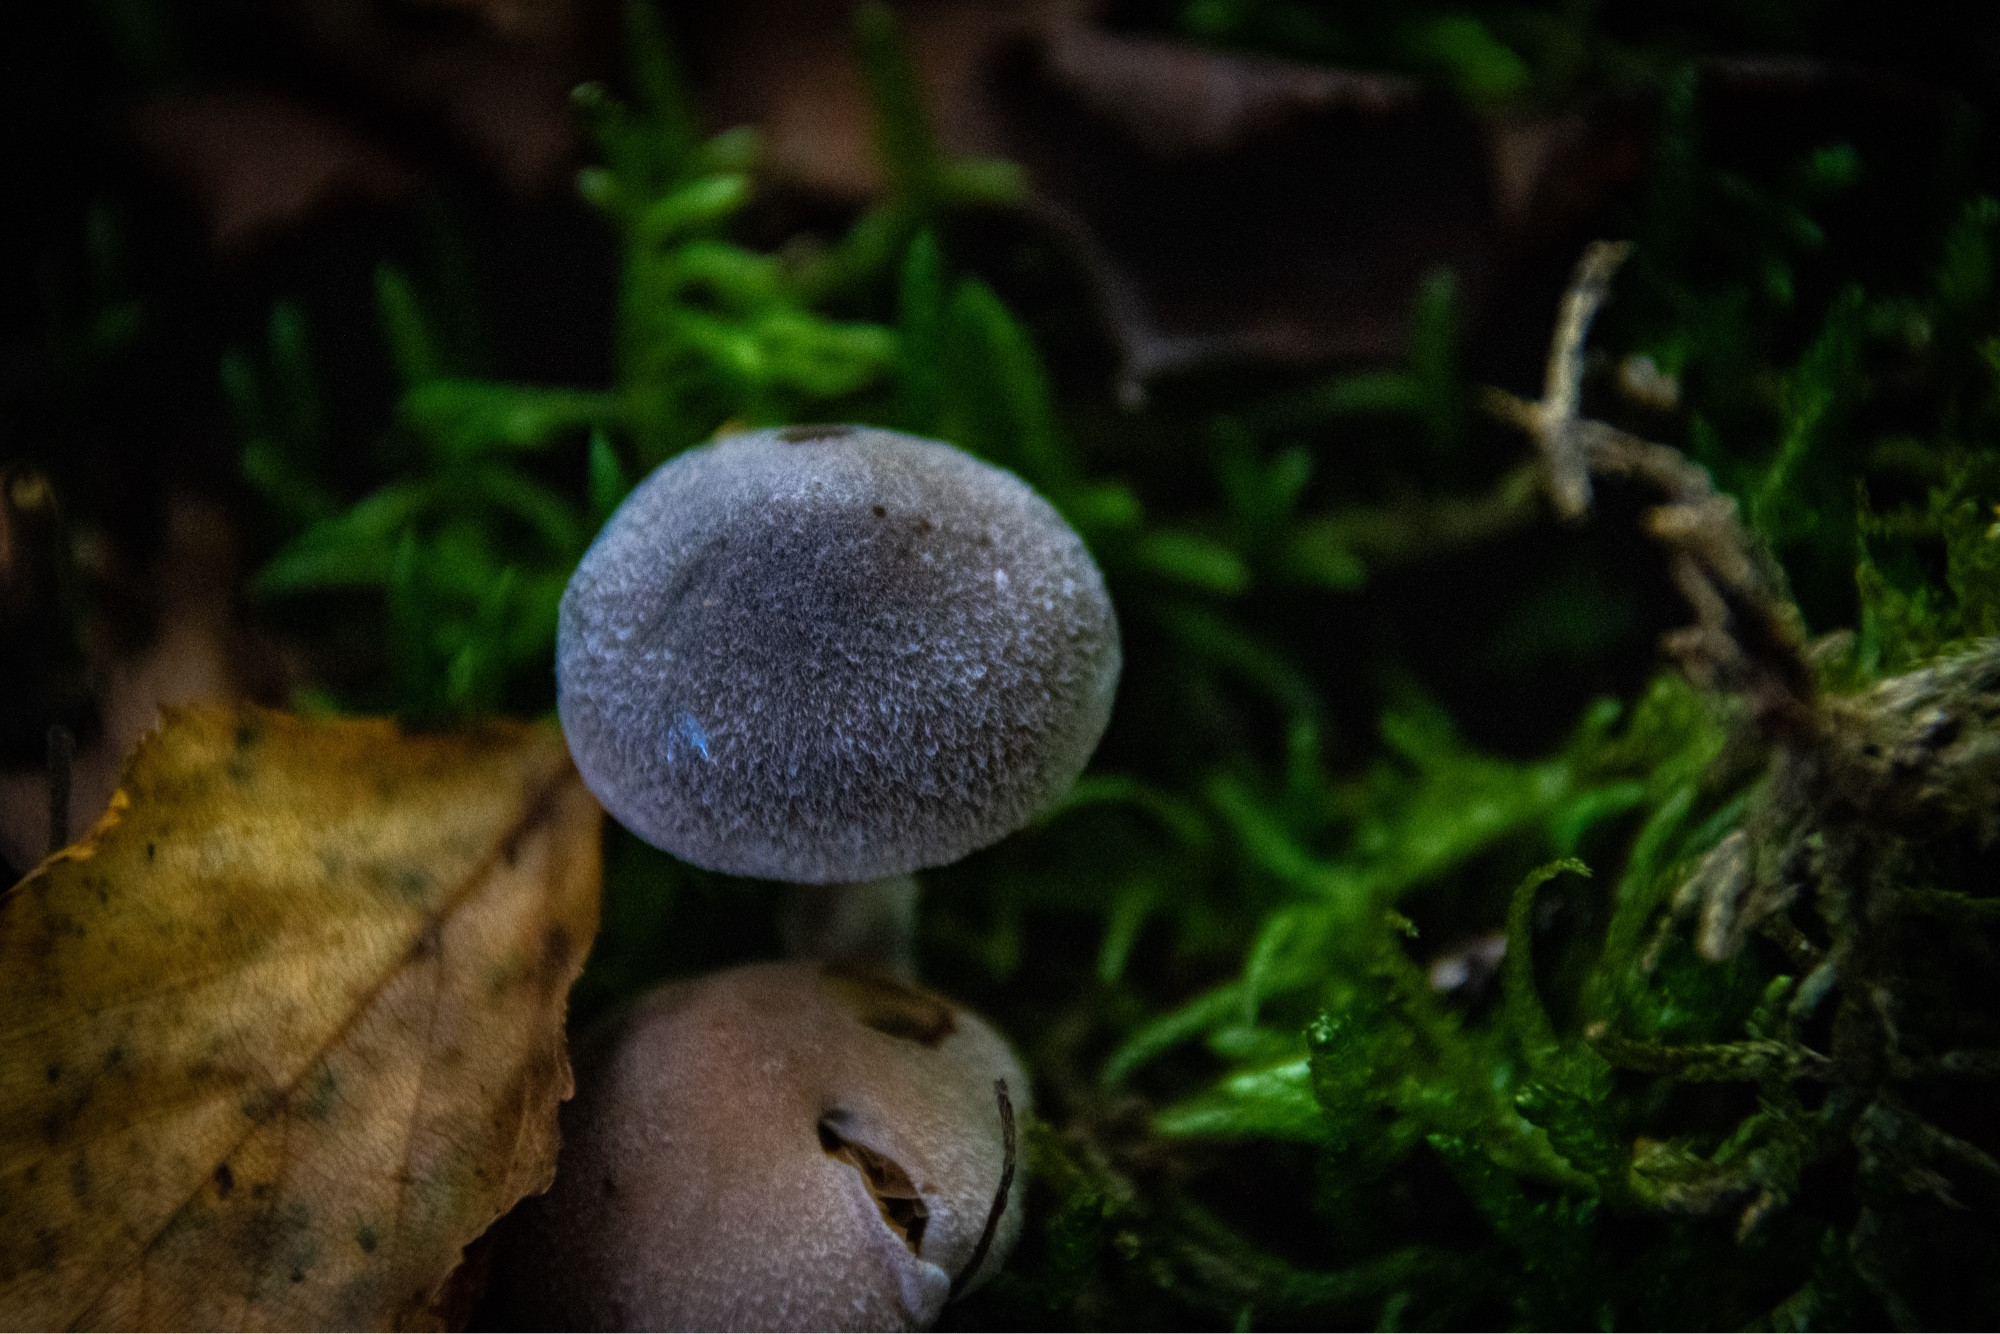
993 1215
1563 456
1860 788
1747 635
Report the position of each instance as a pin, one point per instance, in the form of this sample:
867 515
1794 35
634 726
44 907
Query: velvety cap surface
833 653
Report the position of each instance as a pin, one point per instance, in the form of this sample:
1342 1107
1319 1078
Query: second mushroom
829 655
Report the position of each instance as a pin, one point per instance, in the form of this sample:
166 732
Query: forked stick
1747 635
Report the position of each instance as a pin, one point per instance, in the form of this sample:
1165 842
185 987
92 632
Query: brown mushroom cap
780 1146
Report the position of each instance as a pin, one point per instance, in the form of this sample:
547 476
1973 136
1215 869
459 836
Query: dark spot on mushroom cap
806 434
833 664
888 1006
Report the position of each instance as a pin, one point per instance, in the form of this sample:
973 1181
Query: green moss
1356 748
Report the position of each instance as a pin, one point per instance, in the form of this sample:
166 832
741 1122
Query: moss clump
1328 1023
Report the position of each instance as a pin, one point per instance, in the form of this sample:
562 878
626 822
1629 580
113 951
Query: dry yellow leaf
284 1033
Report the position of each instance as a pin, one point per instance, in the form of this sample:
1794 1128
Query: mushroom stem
871 924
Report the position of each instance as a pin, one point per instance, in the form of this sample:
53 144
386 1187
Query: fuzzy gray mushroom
833 654
778 1146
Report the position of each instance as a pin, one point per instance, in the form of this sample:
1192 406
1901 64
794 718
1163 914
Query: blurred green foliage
1332 1025
1465 48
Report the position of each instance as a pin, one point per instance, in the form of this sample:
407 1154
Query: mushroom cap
831 654
779 1146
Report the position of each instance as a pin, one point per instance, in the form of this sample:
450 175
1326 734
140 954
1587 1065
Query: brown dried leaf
497 83
1223 206
789 68
284 1034
259 163
1231 206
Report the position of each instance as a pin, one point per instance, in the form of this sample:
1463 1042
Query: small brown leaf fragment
1229 206
284 1033
259 163
498 85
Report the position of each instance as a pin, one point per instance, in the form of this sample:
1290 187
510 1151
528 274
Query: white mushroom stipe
828 654
780 1146
870 925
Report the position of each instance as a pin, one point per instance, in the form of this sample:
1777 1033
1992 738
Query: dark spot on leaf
48 1248
55 1072
225 1180
298 1276
239 767
365 1238
150 850
902 1206
541 812
880 512
260 1105
805 435
555 953
320 1092
891 1007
